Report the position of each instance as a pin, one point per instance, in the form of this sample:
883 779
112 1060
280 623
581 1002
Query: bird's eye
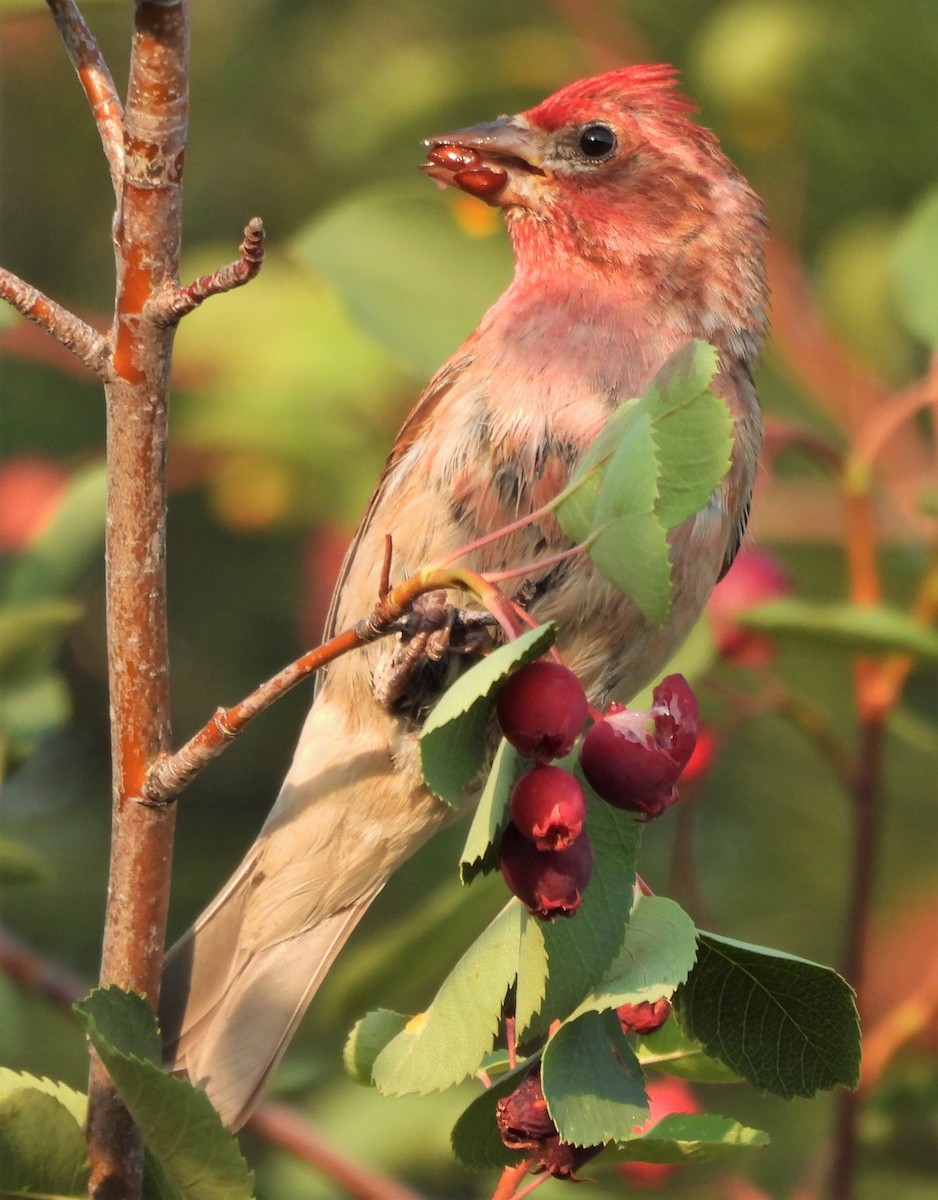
597 142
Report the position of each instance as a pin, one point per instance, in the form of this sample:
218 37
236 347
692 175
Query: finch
632 234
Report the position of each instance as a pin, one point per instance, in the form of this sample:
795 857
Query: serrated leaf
693 433
19 864
75 1102
368 1038
852 627
592 1081
671 1051
454 735
195 1155
476 1139
787 1025
575 506
445 1044
42 1148
657 952
480 853
681 1138
580 950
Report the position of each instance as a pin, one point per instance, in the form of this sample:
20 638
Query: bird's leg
412 677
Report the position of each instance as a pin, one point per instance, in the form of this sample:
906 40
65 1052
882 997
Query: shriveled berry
525 1124
677 717
644 1017
548 807
549 883
541 709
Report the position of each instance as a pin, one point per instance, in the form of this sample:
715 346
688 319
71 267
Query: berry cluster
631 759
525 1124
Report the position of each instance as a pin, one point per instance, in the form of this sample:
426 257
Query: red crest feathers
645 88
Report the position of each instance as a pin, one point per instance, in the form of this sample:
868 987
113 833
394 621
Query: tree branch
147 239
89 346
172 773
85 56
176 302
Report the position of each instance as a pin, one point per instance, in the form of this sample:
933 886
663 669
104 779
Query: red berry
548 806
549 883
625 765
677 717
541 709
644 1017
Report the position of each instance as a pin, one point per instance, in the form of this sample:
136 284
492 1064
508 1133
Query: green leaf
42 1148
196 1156
480 853
580 950
445 1044
368 1038
917 270
19 864
656 955
476 1138
382 250
671 1051
787 1025
693 433
454 736
76 1103
575 506
681 1138
57 557
850 627
592 1081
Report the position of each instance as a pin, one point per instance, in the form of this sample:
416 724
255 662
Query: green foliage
917 270
42 1147
593 1084
193 1155
479 855
656 463
787 1025
682 1138
876 629
383 248
476 1139
671 1051
454 737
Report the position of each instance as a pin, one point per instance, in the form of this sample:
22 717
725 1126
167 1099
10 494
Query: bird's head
611 173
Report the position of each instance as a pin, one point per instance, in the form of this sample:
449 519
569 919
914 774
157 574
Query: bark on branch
178 301
70 331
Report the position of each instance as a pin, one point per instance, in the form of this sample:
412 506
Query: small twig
532 1186
384 584
280 1126
175 302
171 774
509 1180
86 57
39 975
70 331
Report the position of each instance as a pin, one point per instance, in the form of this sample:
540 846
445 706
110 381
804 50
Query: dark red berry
542 709
644 1017
677 717
525 1124
549 883
623 762
548 806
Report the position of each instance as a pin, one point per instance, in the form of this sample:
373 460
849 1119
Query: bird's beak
494 161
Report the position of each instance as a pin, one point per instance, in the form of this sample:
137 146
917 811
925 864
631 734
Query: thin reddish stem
509 1180
488 538
70 331
177 301
95 78
540 564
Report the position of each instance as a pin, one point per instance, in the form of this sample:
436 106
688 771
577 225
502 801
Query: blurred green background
287 396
